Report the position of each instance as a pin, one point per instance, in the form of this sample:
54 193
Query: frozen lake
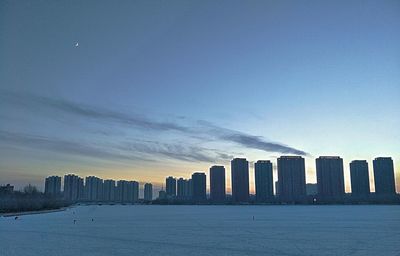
205 230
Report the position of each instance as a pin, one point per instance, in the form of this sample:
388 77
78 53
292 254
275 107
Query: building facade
170 183
330 177
148 192
263 180
93 188
359 178
73 187
109 190
217 184
291 178
199 187
52 186
384 176
240 180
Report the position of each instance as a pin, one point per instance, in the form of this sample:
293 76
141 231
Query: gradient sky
159 88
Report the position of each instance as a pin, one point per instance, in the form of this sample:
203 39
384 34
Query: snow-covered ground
205 230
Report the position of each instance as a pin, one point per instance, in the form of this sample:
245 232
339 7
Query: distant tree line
29 199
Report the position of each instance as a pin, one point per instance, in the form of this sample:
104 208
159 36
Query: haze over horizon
144 90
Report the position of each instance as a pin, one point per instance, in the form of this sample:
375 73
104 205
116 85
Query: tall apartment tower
170 183
94 188
189 189
52 186
263 180
109 190
181 187
148 192
73 187
199 187
133 191
240 180
291 178
330 177
384 176
217 184
359 177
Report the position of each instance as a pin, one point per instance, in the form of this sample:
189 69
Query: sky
142 90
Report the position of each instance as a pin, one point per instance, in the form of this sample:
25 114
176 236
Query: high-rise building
217 184
52 186
184 189
94 188
122 191
384 176
359 177
189 189
170 183
148 192
199 187
109 190
330 178
133 191
240 180
73 187
291 178
127 191
263 180
181 187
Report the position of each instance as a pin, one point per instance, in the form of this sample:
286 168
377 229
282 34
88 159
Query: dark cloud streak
206 130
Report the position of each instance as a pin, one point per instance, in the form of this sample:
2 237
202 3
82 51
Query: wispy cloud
61 146
90 112
247 140
178 151
203 129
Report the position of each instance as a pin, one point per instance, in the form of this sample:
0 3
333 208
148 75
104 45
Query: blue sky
158 88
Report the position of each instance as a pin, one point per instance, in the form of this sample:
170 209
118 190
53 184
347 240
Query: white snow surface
204 230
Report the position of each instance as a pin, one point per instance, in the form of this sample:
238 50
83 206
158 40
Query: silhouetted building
263 180
109 190
133 191
122 191
73 187
127 191
240 180
311 189
6 189
94 188
277 188
217 184
291 178
181 186
189 189
148 192
199 187
52 186
170 183
384 176
359 177
330 178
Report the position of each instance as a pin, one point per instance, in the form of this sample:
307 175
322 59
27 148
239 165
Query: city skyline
292 185
152 91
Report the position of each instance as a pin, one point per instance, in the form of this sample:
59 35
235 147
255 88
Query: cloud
249 141
57 145
178 151
204 130
144 151
91 112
